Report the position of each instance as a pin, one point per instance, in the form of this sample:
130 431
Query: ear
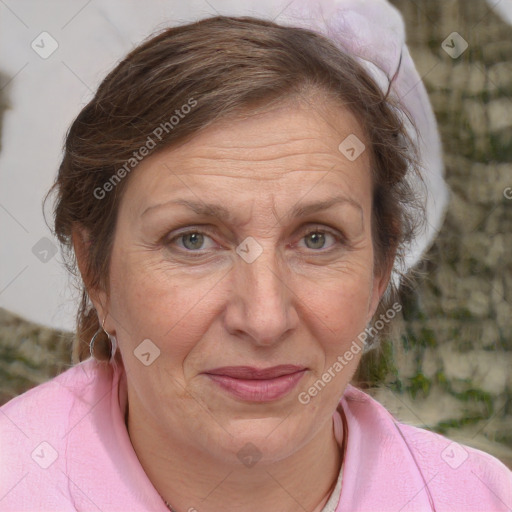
379 284
81 244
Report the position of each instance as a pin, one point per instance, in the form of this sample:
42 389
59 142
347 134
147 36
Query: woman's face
248 246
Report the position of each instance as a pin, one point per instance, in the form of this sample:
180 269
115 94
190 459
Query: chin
267 439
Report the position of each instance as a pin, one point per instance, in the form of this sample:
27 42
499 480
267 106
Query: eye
192 241
320 238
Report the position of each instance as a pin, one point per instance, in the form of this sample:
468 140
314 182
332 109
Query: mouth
257 385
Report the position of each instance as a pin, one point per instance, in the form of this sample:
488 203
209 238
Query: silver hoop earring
113 342
113 346
91 343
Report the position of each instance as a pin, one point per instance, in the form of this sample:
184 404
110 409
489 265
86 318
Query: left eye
193 241
318 239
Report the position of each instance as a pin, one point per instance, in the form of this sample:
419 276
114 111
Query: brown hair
224 66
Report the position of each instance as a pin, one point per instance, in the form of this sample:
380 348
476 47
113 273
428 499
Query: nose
261 306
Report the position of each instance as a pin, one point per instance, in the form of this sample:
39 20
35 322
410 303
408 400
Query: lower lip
262 390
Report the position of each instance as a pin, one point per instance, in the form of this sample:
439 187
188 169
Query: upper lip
248 372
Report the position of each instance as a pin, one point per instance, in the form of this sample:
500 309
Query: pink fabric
80 414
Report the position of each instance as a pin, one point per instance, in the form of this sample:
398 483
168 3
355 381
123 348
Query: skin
302 301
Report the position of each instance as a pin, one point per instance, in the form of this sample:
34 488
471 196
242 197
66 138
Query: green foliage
500 147
427 337
471 397
377 367
461 314
475 395
441 380
418 383
443 427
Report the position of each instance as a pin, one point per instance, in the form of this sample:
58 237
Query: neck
190 481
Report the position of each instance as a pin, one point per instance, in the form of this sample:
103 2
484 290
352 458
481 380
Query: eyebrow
307 209
222 213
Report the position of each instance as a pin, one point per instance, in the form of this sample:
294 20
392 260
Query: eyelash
339 238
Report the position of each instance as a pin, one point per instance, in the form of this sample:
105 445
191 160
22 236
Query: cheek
343 307
339 311
150 301
342 296
344 314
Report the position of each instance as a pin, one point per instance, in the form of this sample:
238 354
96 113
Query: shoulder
457 475
34 428
45 403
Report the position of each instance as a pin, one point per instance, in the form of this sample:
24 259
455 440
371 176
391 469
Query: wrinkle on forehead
319 122
284 152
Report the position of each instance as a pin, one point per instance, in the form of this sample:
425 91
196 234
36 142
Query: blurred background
449 366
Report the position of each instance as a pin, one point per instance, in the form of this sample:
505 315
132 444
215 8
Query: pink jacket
64 446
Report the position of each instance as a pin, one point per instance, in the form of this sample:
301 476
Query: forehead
285 150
